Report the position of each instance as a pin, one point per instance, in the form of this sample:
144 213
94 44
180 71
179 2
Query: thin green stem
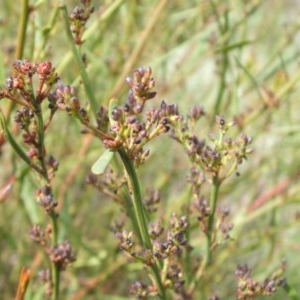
225 59
140 215
136 199
132 215
210 228
22 29
188 261
40 124
156 271
76 54
47 30
54 270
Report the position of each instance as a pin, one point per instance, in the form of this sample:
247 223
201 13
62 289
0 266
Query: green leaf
233 46
100 165
12 141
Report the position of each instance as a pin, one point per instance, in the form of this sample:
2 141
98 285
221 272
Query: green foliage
231 228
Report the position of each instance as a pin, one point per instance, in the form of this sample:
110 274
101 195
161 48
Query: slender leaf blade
12 141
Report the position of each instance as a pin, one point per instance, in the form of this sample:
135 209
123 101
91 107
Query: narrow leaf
233 46
12 141
23 283
100 165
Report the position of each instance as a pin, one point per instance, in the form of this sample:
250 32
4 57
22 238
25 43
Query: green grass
238 59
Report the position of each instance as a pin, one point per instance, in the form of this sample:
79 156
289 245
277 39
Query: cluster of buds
126 242
248 288
175 238
140 290
224 226
222 157
64 97
202 209
124 126
38 235
60 254
24 118
151 200
45 199
29 86
195 114
178 227
110 183
140 90
52 166
170 248
19 87
127 125
134 250
162 247
78 19
174 279
201 205
155 230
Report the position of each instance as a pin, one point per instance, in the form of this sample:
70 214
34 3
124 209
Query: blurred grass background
236 58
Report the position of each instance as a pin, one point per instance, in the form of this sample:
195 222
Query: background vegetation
236 58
